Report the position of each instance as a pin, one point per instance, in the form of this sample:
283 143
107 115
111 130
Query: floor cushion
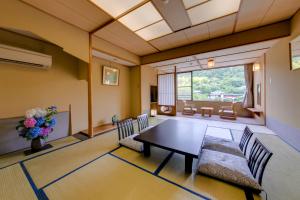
131 143
227 167
222 145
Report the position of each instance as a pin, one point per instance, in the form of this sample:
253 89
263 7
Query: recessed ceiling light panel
156 30
141 17
116 7
212 10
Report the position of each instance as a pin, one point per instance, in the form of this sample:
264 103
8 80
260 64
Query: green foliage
206 83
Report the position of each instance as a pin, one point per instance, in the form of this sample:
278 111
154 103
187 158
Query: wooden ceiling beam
264 33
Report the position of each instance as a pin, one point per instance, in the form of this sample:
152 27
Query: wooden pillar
90 93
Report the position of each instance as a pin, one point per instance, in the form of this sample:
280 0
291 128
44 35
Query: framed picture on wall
295 53
110 76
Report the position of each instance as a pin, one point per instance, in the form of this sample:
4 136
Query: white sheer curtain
166 90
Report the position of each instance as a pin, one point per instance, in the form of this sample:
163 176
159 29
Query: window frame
192 89
191 86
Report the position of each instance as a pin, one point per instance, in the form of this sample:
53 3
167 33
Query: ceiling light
190 3
116 7
256 67
210 63
154 31
212 10
141 17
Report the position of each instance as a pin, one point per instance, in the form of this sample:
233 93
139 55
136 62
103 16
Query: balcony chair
188 109
228 112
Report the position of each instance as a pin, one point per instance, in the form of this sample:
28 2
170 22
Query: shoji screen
166 90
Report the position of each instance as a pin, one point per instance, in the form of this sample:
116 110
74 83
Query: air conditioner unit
16 55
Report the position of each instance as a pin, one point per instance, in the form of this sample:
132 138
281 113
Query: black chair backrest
125 128
245 140
258 159
143 121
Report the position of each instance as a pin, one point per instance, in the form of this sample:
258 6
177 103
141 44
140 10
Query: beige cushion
227 167
222 145
131 143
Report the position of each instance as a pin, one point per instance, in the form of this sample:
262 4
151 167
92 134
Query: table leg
147 149
188 163
202 113
209 112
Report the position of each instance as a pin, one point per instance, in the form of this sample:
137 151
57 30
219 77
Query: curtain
248 99
166 90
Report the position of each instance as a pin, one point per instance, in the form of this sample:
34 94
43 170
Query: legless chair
143 122
126 135
228 112
228 146
247 173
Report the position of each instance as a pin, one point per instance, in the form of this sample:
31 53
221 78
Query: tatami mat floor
98 169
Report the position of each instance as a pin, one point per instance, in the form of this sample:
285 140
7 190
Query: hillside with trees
223 84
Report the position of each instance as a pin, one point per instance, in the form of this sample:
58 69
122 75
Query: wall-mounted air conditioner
16 55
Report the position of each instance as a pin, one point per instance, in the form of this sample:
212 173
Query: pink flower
45 131
29 122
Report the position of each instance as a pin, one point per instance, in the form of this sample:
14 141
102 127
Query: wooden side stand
208 110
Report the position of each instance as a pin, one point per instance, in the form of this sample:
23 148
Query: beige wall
26 87
110 100
148 78
283 85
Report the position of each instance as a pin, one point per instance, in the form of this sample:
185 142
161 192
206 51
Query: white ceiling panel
117 33
250 14
141 17
281 10
116 7
212 9
154 31
222 26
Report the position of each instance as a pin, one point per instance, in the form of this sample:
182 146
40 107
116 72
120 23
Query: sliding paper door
166 89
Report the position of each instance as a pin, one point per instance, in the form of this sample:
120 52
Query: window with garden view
223 84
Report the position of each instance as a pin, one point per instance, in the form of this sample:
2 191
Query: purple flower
29 122
45 131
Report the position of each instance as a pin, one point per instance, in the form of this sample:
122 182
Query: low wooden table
209 110
183 137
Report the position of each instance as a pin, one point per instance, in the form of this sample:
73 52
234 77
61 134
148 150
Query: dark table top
181 136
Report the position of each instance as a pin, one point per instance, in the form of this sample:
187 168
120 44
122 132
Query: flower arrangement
38 123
